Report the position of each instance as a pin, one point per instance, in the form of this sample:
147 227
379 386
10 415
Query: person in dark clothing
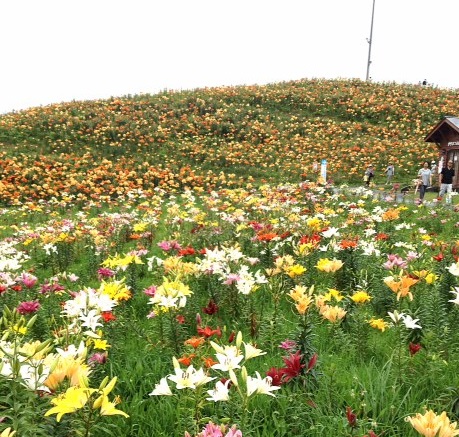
369 175
446 181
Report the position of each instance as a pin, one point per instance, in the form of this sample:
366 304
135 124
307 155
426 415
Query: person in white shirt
390 171
425 179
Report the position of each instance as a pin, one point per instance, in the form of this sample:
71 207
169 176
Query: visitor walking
425 180
390 171
369 175
446 181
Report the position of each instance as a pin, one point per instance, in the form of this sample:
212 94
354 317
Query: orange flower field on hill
217 137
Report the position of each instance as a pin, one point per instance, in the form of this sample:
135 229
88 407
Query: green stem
87 417
197 410
245 411
161 328
253 319
399 356
174 332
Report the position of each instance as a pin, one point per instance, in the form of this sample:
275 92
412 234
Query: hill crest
218 137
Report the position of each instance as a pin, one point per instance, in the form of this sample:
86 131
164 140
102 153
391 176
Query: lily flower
72 400
429 424
329 266
252 352
189 378
260 385
396 316
456 299
454 269
410 323
161 389
221 391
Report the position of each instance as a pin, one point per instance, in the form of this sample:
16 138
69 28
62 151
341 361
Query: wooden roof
448 124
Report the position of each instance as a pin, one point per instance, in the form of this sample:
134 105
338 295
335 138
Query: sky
55 51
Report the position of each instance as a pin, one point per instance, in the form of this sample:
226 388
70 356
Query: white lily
161 389
456 299
260 385
454 269
220 393
189 378
410 323
396 316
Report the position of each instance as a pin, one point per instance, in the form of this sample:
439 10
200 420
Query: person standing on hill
446 181
369 175
390 171
425 180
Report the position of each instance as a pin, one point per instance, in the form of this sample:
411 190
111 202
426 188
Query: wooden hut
446 135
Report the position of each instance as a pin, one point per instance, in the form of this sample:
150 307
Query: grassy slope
223 136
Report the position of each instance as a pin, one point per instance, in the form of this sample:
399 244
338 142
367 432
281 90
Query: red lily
293 366
209 332
211 308
186 251
276 375
108 316
439 257
351 417
414 348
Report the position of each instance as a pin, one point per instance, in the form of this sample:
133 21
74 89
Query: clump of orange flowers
390 215
350 243
333 313
401 285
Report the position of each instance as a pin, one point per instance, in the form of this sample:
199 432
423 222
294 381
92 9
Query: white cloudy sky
63 50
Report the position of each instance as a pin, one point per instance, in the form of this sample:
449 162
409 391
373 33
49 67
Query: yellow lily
72 400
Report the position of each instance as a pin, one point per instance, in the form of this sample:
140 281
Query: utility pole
370 41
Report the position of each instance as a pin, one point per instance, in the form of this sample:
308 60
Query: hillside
214 137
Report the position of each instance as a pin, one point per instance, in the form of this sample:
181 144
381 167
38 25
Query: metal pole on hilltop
370 41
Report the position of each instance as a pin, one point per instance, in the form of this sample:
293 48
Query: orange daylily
186 359
209 362
390 214
195 342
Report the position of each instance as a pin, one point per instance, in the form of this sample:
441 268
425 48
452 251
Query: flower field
230 313
218 138
170 265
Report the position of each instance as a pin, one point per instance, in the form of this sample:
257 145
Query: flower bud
233 377
32 321
239 340
244 373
